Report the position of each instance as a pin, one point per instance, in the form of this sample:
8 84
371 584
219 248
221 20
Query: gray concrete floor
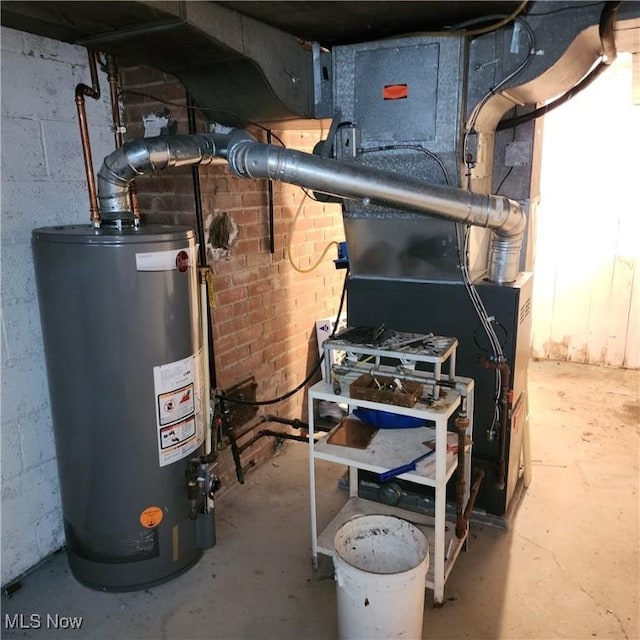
566 568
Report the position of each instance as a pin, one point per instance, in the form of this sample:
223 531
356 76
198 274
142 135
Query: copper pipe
461 424
92 91
478 476
505 401
118 129
135 206
112 79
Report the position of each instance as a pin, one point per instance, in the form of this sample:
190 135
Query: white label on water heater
179 416
179 259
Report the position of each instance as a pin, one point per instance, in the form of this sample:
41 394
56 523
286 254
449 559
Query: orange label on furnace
151 517
395 91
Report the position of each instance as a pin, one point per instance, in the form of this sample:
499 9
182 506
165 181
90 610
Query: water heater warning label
176 404
179 410
151 517
176 434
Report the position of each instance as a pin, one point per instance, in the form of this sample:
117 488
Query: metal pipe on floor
276 434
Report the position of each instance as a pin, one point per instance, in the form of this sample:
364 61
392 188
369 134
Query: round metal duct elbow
508 219
143 156
504 258
506 242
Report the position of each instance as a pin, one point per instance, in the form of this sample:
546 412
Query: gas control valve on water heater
120 321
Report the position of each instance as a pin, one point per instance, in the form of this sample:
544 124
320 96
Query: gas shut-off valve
202 483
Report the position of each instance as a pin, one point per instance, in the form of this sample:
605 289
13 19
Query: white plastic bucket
381 565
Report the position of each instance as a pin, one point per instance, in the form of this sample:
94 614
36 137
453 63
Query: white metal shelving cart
391 448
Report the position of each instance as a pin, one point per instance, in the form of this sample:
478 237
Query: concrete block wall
43 183
264 319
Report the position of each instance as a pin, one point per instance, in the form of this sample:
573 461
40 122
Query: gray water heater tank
123 348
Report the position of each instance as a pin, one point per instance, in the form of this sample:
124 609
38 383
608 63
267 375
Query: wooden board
352 433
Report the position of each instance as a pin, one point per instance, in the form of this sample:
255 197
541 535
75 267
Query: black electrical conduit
202 248
565 97
272 231
295 423
608 43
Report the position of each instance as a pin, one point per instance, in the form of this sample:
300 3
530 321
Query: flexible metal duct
251 159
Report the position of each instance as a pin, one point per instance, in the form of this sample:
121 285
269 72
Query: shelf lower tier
360 507
391 448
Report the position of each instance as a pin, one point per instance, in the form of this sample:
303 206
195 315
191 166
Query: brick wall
265 313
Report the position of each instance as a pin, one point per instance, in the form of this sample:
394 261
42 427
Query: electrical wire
501 23
463 232
310 375
554 104
462 236
504 179
290 240
463 245
473 118
452 31
414 147
573 7
308 194
607 40
519 69
485 321
502 19
333 243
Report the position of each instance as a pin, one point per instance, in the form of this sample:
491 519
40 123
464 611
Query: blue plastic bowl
387 420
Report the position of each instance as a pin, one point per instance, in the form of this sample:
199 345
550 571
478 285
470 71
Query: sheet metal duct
251 159
237 68
265 61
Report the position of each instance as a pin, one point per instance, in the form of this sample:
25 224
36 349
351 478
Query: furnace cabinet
444 308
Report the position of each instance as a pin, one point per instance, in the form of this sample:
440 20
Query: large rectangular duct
237 68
